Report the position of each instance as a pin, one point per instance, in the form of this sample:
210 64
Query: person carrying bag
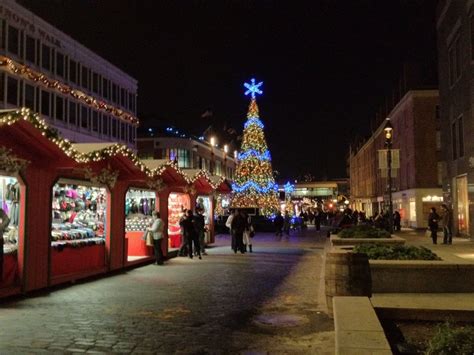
156 234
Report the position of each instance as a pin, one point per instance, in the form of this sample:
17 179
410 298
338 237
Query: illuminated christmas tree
254 185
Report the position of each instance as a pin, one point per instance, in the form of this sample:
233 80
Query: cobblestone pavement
259 303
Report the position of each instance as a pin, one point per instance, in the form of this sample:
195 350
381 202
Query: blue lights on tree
254 184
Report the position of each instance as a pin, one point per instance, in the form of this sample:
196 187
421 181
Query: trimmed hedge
363 231
395 252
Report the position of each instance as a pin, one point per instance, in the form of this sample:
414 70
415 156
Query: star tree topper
253 88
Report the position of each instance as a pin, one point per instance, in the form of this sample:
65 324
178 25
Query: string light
25 71
12 117
254 184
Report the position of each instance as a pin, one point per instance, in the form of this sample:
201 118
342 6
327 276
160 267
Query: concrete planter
338 241
401 276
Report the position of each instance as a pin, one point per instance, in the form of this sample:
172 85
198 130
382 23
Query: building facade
83 96
189 153
455 28
416 187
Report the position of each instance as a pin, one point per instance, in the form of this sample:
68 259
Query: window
123 94
114 127
45 104
105 88
114 93
45 57
84 117
461 136
2 33
30 97
454 141
123 132
105 125
130 101
59 113
30 49
95 82
85 78
12 91
73 71
130 133
440 172
95 121
60 64
13 40
454 56
72 113
438 140
182 156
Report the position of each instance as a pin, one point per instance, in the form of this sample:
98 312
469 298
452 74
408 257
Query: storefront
139 205
78 228
10 204
178 203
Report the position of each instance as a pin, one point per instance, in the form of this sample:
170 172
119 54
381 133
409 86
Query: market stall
139 205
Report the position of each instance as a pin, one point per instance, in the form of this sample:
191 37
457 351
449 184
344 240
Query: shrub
396 252
447 340
363 231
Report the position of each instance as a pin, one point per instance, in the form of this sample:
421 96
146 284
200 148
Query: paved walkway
265 302
460 252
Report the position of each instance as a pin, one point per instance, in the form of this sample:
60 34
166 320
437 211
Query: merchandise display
10 204
177 204
78 216
139 204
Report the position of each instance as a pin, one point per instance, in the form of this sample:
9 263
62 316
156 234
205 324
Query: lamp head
388 130
213 141
226 148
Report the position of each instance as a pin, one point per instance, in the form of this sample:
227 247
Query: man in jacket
157 231
238 228
4 221
191 235
200 224
447 224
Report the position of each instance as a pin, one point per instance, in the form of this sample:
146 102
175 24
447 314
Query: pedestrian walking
317 219
200 224
238 228
247 238
397 219
191 234
228 224
447 219
4 222
278 223
433 220
156 229
183 248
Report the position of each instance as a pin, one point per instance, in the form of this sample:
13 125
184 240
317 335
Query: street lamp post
388 130
213 142
226 150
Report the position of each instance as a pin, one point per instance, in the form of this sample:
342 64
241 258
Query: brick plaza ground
270 301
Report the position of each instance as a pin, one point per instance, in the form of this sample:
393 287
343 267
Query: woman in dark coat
433 219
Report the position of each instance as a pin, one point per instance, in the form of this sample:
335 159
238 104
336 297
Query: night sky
326 64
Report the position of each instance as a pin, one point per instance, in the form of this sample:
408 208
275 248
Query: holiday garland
26 72
11 117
